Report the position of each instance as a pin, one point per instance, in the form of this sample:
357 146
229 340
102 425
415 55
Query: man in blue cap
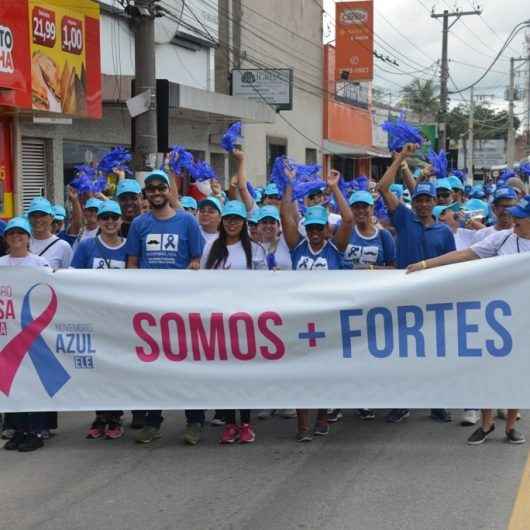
164 239
458 189
419 237
503 199
128 194
272 196
444 192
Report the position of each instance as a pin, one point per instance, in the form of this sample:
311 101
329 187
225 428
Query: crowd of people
423 223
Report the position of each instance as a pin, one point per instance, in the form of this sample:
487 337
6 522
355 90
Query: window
310 156
34 170
275 147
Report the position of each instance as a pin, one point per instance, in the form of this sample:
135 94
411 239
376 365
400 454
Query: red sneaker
97 430
230 434
246 434
114 431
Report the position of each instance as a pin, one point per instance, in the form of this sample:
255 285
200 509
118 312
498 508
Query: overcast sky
471 41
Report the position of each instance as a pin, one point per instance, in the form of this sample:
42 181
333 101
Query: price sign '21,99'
43 23
72 35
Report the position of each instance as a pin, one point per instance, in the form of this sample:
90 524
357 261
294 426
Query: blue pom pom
301 189
439 163
278 175
251 190
86 179
401 133
179 159
202 171
230 137
505 175
380 209
525 169
117 158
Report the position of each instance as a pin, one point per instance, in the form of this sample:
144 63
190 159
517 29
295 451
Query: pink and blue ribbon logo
51 372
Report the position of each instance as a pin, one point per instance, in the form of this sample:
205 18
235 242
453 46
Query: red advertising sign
6 174
355 42
44 62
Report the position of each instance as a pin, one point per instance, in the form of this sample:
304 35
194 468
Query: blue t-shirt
165 244
304 259
93 253
363 251
67 237
416 242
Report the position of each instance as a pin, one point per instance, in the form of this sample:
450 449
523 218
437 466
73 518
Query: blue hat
268 212
188 202
235 208
271 189
253 216
476 205
316 215
128 186
20 223
315 189
456 183
212 201
443 184
361 196
437 211
477 192
40 204
520 211
504 193
259 195
109 207
424 188
59 213
396 189
93 203
157 174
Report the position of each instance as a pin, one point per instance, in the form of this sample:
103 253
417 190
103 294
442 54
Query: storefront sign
271 86
50 56
6 173
354 41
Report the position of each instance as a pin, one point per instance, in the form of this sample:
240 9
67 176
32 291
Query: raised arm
457 256
242 179
289 215
342 237
408 178
76 220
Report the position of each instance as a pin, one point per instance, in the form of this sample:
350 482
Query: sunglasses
153 188
444 194
273 197
109 217
315 228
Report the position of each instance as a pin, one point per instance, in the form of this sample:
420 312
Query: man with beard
419 237
164 238
128 195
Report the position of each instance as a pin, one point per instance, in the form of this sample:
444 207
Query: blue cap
59 213
93 203
271 189
109 207
437 211
20 223
444 184
477 192
157 174
212 201
316 215
128 186
456 183
476 205
40 204
424 188
396 189
361 196
235 208
504 193
315 189
520 211
259 195
188 202
268 212
253 216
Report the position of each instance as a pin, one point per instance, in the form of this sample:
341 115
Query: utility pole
510 147
145 128
444 75
470 137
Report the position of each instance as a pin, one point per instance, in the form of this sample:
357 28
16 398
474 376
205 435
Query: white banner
83 340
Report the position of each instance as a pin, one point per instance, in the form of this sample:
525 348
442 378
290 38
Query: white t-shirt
59 255
236 259
31 260
282 254
334 219
483 233
464 238
208 237
504 242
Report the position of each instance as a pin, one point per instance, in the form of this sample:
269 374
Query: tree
421 96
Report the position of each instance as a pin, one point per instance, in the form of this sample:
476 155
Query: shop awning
354 151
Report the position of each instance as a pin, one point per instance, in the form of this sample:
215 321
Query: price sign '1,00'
72 35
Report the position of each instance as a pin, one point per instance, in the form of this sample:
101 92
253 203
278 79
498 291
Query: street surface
417 475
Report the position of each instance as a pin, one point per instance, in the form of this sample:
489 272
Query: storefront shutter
34 169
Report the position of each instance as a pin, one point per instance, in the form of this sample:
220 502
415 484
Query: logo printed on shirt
162 242
361 255
305 263
101 263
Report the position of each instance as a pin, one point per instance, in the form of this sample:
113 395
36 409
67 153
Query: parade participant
128 194
105 251
272 196
59 218
504 242
315 252
189 204
518 185
316 196
419 237
450 215
503 199
26 428
252 223
57 252
209 217
164 239
458 189
90 217
234 250
444 192
69 233
271 237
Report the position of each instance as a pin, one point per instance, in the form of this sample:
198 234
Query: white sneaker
470 417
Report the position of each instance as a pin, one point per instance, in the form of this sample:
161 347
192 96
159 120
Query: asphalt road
417 475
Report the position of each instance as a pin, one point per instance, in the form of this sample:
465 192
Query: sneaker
138 421
513 436
32 442
148 434
217 421
14 441
321 429
7 434
470 417
304 436
230 434
114 430
480 436
192 433
397 415
335 416
442 415
45 434
366 414
246 434
97 430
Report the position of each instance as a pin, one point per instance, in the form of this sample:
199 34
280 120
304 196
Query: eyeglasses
109 217
153 188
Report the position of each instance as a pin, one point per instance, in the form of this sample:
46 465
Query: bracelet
423 264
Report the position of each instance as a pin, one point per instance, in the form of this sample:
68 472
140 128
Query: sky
474 40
